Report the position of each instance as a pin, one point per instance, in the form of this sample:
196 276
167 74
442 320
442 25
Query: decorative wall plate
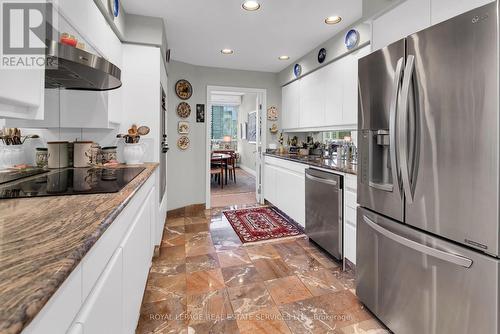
183 142
272 113
116 8
183 110
297 70
351 39
183 127
321 55
183 89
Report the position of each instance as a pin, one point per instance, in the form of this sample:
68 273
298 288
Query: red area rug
262 223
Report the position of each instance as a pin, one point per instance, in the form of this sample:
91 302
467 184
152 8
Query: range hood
72 68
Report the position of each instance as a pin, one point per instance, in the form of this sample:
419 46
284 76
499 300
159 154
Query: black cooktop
71 181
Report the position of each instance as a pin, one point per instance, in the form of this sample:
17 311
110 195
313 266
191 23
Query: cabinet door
22 93
407 18
290 193
442 10
136 260
349 66
333 93
290 105
312 100
102 312
270 183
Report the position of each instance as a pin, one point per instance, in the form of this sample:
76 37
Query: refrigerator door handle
403 128
393 122
442 255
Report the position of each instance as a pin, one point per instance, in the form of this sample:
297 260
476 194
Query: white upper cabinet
312 99
445 9
407 18
290 105
350 86
325 98
333 90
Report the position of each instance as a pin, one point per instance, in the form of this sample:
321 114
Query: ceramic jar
133 153
108 154
57 154
82 153
41 157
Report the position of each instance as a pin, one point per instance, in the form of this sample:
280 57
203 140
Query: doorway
234 145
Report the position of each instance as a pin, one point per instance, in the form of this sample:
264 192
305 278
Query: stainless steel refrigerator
428 229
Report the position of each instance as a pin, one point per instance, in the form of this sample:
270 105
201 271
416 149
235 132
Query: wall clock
297 70
321 55
351 39
183 89
183 110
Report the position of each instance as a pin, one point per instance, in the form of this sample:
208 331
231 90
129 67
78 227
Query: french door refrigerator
428 184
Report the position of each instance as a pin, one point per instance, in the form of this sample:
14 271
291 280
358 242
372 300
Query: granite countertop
317 161
43 239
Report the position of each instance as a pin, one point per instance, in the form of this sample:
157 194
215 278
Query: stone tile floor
206 281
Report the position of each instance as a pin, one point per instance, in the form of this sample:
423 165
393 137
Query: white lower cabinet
284 187
136 260
104 292
102 312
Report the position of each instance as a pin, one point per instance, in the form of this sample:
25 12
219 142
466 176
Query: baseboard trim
248 170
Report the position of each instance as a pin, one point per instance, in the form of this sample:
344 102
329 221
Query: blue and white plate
116 8
297 70
351 39
321 55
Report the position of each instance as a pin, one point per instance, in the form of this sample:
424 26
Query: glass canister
41 157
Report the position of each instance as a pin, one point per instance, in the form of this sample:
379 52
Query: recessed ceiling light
227 51
250 5
333 19
283 57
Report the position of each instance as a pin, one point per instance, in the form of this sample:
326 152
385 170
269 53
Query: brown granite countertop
43 239
316 161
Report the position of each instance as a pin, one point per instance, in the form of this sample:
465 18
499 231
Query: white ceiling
198 29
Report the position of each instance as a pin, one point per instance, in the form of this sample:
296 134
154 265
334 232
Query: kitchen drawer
292 166
350 199
350 216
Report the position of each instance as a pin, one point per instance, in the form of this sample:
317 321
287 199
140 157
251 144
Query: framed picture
200 113
252 127
183 127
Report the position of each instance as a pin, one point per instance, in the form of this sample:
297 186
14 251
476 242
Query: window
224 121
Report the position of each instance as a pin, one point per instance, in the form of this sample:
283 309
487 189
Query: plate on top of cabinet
183 89
183 110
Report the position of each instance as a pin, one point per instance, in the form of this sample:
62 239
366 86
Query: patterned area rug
262 223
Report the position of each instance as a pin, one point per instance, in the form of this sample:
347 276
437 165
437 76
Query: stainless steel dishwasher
324 210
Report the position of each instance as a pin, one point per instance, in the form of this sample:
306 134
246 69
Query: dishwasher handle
322 180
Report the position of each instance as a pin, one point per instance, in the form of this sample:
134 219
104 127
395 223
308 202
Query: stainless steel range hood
72 68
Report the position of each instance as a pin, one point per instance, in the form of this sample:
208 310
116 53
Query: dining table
222 158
